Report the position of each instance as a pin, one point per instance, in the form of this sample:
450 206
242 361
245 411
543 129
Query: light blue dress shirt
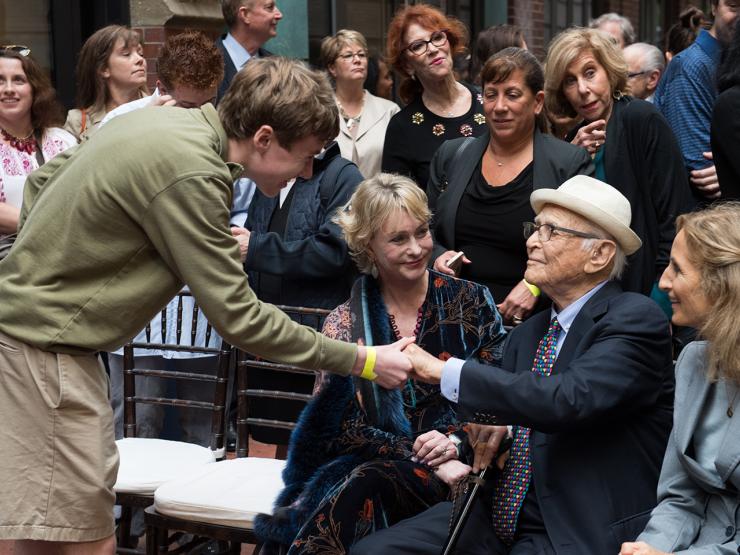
450 383
237 52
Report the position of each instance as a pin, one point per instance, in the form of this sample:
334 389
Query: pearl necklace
25 144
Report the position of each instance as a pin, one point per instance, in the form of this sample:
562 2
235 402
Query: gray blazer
697 512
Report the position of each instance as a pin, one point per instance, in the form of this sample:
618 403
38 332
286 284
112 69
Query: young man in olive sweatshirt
109 232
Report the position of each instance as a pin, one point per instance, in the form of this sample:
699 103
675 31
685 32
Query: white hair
651 57
628 32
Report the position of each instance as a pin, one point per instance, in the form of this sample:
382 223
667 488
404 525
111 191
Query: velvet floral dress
349 470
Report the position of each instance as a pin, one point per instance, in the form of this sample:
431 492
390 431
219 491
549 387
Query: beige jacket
366 150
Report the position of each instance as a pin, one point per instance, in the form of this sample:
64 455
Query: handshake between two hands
399 361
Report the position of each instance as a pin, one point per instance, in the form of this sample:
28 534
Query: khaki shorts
58 457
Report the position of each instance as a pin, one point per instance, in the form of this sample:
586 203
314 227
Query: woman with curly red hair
421 44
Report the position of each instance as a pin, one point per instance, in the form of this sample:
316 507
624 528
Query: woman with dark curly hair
111 71
29 113
421 44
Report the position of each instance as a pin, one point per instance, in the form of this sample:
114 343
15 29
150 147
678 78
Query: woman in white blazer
363 117
698 510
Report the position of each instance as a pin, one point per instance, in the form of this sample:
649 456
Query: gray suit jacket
697 512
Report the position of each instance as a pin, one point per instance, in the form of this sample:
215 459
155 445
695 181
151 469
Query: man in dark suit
251 24
587 388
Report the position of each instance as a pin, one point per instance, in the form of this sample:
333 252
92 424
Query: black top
726 142
271 285
489 230
414 134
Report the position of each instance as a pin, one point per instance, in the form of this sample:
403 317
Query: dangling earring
617 95
374 271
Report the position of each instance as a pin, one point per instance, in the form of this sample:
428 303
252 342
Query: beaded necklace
397 333
25 144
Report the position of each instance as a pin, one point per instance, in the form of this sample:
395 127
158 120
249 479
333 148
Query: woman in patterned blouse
28 113
363 458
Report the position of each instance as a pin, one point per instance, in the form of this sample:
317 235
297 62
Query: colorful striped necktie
513 482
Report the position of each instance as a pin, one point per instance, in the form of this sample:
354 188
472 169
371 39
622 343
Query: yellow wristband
367 370
532 288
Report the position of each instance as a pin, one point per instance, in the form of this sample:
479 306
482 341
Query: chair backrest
198 333
278 392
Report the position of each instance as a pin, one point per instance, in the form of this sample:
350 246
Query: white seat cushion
229 493
146 463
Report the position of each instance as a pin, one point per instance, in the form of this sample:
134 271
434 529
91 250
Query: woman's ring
444 451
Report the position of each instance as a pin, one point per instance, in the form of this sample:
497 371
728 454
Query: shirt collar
569 313
237 52
710 45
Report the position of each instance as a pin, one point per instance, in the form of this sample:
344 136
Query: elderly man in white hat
585 389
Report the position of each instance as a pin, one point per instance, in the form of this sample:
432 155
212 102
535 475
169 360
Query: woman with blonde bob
111 71
698 505
362 457
363 117
632 146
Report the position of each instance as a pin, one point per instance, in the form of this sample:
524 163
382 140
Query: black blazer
600 422
555 161
726 142
229 67
643 161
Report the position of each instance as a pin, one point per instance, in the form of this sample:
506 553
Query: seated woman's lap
375 495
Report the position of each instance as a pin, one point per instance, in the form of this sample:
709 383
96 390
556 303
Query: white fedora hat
596 201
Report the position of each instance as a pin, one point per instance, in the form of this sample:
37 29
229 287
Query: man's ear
602 253
263 138
162 89
653 79
242 14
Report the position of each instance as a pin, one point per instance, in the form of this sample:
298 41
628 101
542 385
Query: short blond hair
294 100
564 49
713 239
372 203
331 46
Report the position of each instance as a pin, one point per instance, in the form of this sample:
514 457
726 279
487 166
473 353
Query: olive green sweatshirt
112 229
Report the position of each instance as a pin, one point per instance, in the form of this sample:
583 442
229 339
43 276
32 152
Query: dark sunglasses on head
17 48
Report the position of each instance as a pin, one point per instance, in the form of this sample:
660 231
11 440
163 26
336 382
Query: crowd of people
513 257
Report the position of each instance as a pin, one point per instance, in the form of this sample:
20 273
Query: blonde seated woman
363 458
698 510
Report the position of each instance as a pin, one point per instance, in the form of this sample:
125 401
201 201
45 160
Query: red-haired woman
28 114
420 47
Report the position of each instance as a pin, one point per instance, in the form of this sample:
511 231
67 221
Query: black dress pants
425 534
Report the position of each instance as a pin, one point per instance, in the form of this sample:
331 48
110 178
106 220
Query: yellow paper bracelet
532 288
367 370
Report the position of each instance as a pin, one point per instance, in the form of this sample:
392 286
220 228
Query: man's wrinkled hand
485 441
426 368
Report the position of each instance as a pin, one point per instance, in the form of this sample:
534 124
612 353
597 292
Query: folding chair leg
124 527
